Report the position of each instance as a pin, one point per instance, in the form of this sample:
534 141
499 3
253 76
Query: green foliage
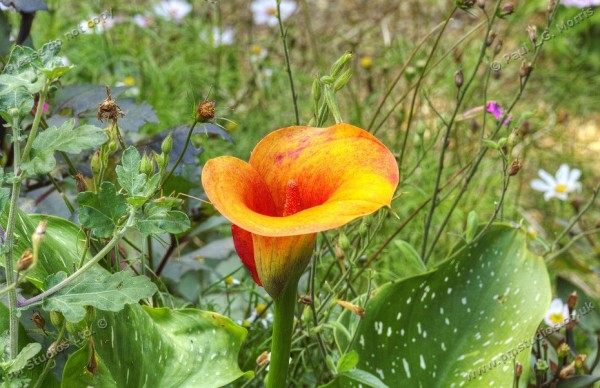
160 219
96 287
161 347
137 184
65 138
471 312
102 211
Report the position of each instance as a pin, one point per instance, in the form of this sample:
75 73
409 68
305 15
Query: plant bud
80 182
481 3
541 366
76 328
13 112
513 138
25 261
518 369
38 236
38 320
96 163
167 144
343 241
514 168
316 90
338 65
263 359
57 319
161 160
563 350
342 80
458 79
498 47
532 32
363 228
112 146
52 350
147 165
525 69
550 7
352 307
572 301
579 359
508 9
206 111
490 38
305 299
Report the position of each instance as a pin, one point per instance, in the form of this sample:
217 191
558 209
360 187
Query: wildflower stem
13 348
180 157
7 289
575 219
286 53
283 324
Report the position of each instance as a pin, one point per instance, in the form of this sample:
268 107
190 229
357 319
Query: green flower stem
103 252
181 155
7 289
13 348
283 324
36 123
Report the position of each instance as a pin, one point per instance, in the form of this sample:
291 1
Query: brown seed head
206 111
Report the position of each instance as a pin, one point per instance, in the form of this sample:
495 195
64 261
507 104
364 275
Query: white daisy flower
257 53
559 186
260 315
265 11
558 313
172 10
231 281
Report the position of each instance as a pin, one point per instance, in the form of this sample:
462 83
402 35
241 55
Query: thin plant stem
286 53
446 139
103 252
9 288
36 124
313 275
46 369
572 241
283 326
13 348
180 157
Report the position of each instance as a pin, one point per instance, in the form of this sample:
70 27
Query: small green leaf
158 219
410 258
159 347
364 377
101 212
347 361
96 287
14 96
64 138
472 226
28 352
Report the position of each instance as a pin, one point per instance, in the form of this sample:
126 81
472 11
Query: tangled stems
283 323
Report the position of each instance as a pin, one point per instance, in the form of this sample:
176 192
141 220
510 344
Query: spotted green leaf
466 320
159 347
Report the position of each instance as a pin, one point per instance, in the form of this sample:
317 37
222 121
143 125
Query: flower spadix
299 181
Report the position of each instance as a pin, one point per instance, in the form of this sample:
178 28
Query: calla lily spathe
299 181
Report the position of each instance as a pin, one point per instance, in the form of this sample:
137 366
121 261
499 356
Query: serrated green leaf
96 287
65 138
159 347
101 212
465 316
158 219
28 352
347 361
14 96
135 183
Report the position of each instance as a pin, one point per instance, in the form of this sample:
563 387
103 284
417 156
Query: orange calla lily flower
299 181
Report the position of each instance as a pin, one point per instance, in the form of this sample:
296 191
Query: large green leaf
159 347
96 287
60 250
158 219
474 313
101 211
65 138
